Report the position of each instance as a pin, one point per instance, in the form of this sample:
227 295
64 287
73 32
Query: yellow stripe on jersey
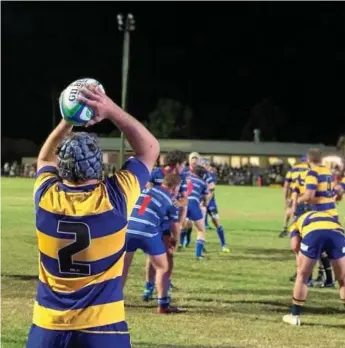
100 248
127 180
92 316
298 175
314 221
77 203
320 179
73 284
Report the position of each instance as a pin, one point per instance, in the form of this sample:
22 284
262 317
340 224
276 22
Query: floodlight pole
127 25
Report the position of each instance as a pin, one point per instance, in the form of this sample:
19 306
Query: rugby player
212 208
81 224
199 195
290 179
319 194
174 162
312 234
186 232
144 232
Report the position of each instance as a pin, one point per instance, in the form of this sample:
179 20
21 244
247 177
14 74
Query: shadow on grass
280 306
152 345
255 230
20 341
24 277
324 325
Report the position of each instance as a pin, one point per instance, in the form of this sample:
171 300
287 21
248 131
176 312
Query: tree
170 118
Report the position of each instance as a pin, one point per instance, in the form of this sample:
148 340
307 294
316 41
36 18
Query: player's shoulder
157 172
132 174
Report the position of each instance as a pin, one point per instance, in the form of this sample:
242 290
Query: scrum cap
80 158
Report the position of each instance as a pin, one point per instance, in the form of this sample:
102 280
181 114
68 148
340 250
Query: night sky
276 66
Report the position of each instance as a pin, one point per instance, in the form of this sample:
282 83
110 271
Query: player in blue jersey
81 225
197 196
186 233
174 162
145 232
212 208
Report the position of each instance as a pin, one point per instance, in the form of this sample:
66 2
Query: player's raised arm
144 144
47 155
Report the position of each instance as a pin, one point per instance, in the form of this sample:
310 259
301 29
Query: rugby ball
73 111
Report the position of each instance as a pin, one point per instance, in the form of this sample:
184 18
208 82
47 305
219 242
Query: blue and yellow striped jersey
321 180
314 221
81 241
296 176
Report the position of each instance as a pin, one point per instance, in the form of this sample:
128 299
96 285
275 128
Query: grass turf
231 300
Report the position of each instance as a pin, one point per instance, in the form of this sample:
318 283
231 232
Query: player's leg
150 275
300 291
156 249
207 226
339 272
108 336
42 338
160 262
310 280
199 222
186 233
170 257
213 210
310 251
336 252
326 263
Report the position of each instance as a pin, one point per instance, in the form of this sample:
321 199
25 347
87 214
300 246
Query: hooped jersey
153 209
314 221
320 179
81 241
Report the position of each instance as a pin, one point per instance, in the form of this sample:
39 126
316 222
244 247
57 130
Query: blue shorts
149 245
212 208
317 242
109 336
194 212
165 228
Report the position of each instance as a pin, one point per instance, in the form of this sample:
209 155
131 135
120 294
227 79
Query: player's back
198 188
297 176
157 176
150 210
320 179
81 238
317 221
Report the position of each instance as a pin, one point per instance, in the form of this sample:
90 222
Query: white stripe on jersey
140 233
148 210
142 221
162 194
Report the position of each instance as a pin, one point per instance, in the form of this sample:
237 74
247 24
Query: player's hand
101 104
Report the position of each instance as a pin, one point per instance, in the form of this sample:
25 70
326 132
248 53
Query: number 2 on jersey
144 204
82 240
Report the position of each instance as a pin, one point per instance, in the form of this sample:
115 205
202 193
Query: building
233 153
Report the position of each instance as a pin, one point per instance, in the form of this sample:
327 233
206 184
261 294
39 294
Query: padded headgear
80 158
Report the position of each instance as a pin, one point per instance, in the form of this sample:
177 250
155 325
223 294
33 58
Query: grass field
234 300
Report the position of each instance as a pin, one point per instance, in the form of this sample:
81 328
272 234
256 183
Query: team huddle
89 228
